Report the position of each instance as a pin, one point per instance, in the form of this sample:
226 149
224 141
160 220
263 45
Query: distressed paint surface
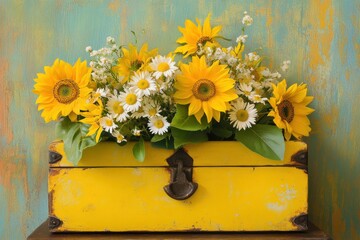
227 202
320 37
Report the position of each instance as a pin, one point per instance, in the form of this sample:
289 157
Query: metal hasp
181 186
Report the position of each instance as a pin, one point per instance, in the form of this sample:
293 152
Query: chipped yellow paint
131 198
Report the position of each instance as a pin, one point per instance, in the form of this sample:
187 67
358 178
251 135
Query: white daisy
107 123
116 109
244 89
158 125
163 66
119 137
131 100
242 115
136 132
143 83
139 113
256 98
151 109
100 93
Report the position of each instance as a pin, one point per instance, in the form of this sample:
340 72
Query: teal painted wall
320 37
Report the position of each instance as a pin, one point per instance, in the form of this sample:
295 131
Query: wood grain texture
320 37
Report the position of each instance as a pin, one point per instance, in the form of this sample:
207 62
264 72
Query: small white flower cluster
253 81
139 105
241 39
285 65
102 60
247 20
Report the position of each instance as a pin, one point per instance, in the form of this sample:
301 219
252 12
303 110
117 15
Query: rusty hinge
54 222
181 185
301 222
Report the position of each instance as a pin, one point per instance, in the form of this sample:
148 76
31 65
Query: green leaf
158 138
222 132
61 127
182 137
265 140
74 137
167 143
183 121
139 150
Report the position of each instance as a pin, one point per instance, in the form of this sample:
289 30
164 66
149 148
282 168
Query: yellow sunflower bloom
194 35
92 117
290 109
206 89
62 90
133 60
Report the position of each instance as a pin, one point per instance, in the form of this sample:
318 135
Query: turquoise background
320 37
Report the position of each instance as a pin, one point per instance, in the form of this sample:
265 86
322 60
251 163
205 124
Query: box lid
212 153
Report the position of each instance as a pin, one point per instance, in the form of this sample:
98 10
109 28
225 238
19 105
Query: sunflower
132 61
193 36
62 90
92 117
207 89
290 109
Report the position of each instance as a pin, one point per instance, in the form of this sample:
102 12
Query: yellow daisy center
135 65
203 40
66 91
257 98
152 112
118 109
286 111
109 122
246 93
159 123
242 115
163 67
204 89
131 99
119 138
143 84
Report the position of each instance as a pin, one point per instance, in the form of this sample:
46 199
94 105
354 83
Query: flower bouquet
135 94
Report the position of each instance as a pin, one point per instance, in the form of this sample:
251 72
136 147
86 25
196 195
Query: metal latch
181 185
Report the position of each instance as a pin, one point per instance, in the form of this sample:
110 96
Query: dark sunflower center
136 65
286 111
66 91
202 41
204 89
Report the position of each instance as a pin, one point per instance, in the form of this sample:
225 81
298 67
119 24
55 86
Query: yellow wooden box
233 189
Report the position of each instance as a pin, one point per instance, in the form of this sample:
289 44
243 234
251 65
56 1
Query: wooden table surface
42 233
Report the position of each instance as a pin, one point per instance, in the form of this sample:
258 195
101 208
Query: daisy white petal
107 123
158 125
163 66
116 109
119 137
131 100
143 83
256 98
242 115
